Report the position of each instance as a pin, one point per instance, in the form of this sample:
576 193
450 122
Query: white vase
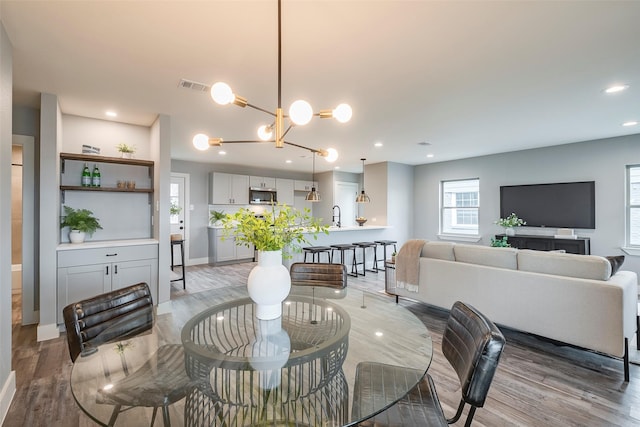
76 236
509 231
269 284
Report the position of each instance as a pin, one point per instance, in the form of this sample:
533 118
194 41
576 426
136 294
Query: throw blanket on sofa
408 265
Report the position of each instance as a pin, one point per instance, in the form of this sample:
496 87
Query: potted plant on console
276 235
509 222
80 223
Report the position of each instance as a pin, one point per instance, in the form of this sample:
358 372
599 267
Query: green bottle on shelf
86 176
95 176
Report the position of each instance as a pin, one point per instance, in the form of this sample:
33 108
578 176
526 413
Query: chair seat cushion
378 384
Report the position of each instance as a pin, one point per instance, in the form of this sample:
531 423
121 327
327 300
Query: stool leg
184 281
172 256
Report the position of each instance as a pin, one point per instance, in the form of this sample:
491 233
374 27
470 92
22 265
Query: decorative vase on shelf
269 284
76 236
509 231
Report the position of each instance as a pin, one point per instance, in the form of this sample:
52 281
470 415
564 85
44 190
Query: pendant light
363 197
313 195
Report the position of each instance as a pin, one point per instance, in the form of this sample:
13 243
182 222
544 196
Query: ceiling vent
190 84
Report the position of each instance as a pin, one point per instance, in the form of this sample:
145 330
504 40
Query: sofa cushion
486 255
439 250
568 265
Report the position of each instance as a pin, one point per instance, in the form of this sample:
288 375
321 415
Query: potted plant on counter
80 223
215 217
277 234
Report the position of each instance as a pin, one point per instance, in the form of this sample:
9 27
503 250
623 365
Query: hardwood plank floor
538 383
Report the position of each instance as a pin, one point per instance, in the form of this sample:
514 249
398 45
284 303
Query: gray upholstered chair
471 343
119 315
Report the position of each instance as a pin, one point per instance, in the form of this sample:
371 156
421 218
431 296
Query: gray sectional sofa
569 298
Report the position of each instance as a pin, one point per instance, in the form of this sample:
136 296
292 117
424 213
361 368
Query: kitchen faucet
333 212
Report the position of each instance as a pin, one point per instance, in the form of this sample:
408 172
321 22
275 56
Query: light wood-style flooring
538 383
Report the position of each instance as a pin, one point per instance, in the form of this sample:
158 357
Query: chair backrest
319 274
120 313
472 344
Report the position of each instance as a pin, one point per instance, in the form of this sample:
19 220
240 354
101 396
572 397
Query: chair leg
625 360
153 416
114 415
456 417
165 416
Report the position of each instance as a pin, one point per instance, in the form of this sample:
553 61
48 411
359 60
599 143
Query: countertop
106 244
335 229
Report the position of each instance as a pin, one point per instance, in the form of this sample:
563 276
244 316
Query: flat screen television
562 205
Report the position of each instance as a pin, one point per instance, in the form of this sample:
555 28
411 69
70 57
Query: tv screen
562 205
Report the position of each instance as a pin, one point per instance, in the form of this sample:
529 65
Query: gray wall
7 378
602 161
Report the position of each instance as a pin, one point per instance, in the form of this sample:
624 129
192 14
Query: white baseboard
6 395
47 332
197 261
164 308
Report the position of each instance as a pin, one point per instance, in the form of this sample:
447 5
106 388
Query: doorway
179 215
24 293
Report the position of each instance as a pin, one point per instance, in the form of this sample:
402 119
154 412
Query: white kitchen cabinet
285 191
304 185
228 189
86 272
262 182
225 250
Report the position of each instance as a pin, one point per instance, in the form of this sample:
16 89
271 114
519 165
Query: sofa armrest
628 281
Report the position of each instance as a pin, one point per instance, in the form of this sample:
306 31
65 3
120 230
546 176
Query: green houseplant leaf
79 219
284 228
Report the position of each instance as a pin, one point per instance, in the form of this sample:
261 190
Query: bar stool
384 244
364 246
342 248
177 239
316 251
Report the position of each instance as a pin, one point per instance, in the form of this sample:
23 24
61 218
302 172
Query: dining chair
118 315
319 274
472 345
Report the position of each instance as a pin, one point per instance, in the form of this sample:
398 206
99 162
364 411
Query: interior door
345 197
178 217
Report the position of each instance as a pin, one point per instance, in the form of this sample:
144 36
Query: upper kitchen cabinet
228 189
262 182
304 185
286 194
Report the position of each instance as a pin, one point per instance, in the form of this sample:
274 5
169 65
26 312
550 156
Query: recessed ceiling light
378 144
111 114
616 88
336 167
429 156
287 161
222 153
424 143
630 123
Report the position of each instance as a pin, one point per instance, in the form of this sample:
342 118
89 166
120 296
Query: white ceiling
469 78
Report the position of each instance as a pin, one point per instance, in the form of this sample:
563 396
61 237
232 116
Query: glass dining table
236 370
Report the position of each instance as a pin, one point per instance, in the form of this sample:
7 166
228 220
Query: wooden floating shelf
103 159
107 189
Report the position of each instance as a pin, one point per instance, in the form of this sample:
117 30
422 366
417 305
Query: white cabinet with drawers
228 189
90 270
224 250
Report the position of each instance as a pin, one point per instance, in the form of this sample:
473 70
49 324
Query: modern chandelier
300 113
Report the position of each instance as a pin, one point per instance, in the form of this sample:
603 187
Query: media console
580 246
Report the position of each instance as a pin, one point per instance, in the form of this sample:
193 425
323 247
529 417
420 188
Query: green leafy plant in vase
80 223
215 217
509 222
275 236
500 243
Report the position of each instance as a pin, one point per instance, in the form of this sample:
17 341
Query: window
460 202
633 205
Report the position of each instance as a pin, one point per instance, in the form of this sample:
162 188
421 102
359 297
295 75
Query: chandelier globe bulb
265 132
222 93
201 142
332 155
343 113
300 112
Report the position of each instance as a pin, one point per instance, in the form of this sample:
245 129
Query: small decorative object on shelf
126 150
80 222
86 176
509 222
361 220
95 176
